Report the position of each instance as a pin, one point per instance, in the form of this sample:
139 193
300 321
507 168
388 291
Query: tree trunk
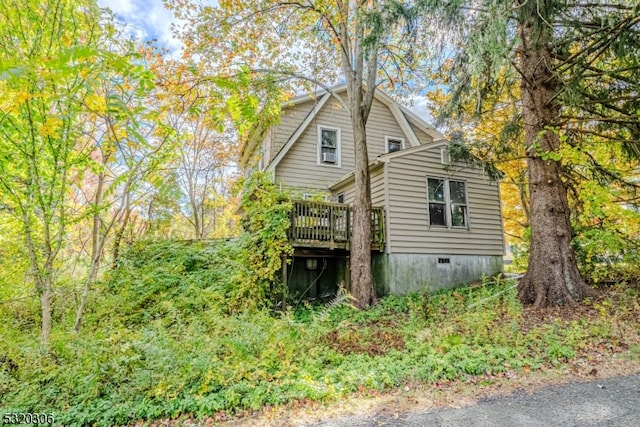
46 309
97 245
361 277
43 281
552 278
197 219
353 54
119 235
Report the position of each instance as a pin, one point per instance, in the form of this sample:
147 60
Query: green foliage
606 255
13 258
158 343
521 251
224 275
607 232
461 152
60 68
169 281
263 243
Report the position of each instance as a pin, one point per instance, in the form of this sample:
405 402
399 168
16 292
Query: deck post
332 225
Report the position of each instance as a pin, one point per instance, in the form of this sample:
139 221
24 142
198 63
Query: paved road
607 402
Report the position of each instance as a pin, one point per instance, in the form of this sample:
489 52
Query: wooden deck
328 225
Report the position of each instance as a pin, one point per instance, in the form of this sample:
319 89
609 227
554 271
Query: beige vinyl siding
300 167
408 219
422 137
348 191
377 189
290 119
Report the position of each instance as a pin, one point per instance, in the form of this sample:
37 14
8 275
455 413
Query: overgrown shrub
607 255
230 275
262 245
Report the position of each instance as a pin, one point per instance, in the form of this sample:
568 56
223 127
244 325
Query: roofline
385 158
303 126
420 123
399 112
300 99
253 141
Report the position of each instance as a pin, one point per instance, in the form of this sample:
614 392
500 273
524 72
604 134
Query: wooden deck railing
328 225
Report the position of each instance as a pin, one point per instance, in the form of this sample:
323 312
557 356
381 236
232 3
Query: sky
146 19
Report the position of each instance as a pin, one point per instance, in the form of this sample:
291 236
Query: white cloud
418 105
147 20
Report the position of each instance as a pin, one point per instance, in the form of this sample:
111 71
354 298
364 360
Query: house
435 224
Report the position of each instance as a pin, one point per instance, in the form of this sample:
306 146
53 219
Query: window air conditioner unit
329 157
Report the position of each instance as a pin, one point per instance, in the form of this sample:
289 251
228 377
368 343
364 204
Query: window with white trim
393 144
328 146
447 203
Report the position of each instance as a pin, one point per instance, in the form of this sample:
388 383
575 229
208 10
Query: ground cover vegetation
163 339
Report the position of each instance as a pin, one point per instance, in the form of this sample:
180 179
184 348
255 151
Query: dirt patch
373 338
533 318
586 310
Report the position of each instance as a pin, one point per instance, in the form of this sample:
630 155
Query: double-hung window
328 146
447 201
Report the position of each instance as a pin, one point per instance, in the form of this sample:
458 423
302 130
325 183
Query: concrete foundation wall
400 274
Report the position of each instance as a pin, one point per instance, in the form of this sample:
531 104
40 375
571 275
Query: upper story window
328 146
447 203
393 144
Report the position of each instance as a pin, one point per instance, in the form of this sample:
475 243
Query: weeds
159 343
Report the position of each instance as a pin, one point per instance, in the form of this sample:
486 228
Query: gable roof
400 113
303 126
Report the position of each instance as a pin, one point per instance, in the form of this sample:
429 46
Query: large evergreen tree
578 68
